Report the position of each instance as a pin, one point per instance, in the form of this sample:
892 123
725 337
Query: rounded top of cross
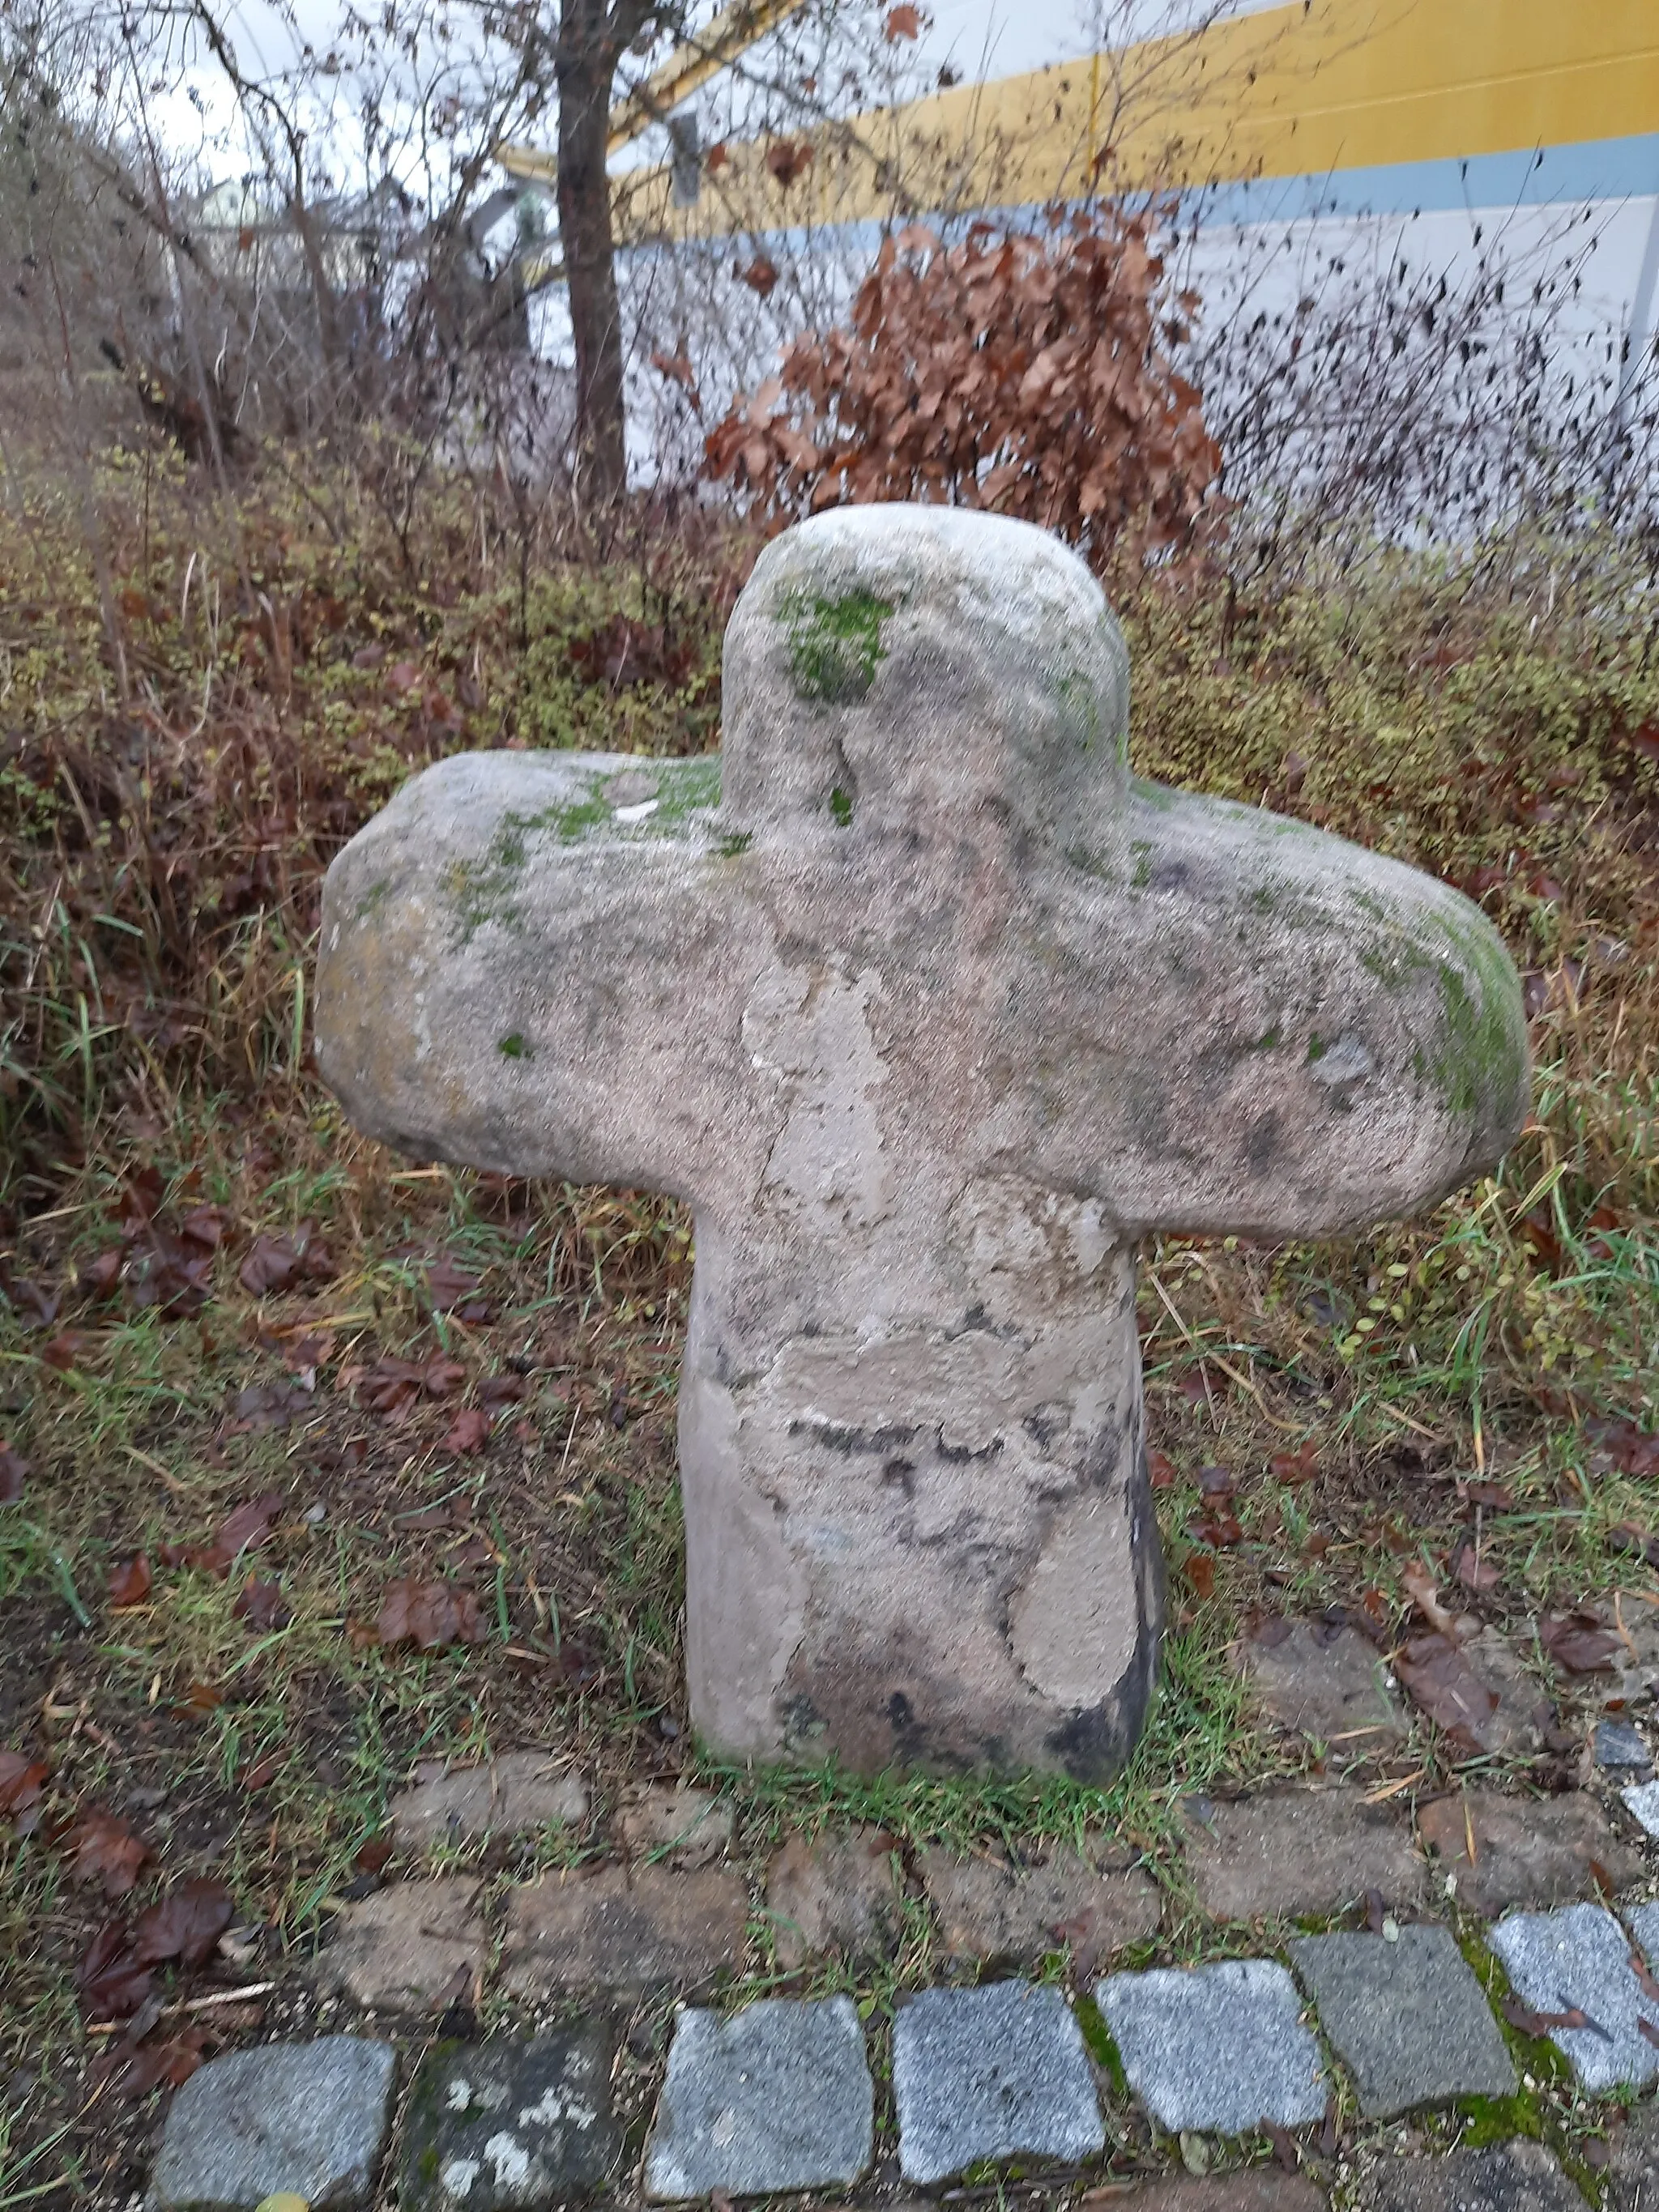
888 665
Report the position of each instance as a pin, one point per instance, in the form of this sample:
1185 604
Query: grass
161 856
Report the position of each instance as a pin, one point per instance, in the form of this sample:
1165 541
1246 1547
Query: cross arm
1277 1032
518 962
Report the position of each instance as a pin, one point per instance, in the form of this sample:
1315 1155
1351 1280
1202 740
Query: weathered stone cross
929 1010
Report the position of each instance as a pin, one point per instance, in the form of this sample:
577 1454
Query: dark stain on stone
1261 1147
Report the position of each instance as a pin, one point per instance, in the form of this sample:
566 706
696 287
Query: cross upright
930 1011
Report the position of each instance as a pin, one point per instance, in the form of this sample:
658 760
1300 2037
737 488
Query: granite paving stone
1295 1853
1619 1745
1578 1959
1642 1799
779 2097
1513 2176
609 1930
996 2072
1406 2017
519 1792
990 1910
1216 2049
310 2117
511 2123
1325 1681
839 1893
1532 1852
1255 2189
676 1825
403 1949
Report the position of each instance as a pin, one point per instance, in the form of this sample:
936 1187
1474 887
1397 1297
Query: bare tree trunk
587 54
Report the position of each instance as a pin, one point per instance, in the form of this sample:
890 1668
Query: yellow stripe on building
1292 91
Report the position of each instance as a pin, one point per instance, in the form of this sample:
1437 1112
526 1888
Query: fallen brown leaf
261 1605
22 1781
469 1431
1578 1642
111 1983
1300 1466
167 2061
448 1283
243 1529
1474 1573
185 1925
430 1614
105 1850
1540 2023
129 1583
1419 1587
1440 1679
67 1350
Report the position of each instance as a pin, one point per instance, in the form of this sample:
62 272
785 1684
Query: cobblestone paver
1406 2017
609 1930
403 1949
311 2118
511 2123
992 2073
1531 1852
1215 2049
839 1893
1515 2176
1295 1852
521 1791
779 2097
1578 1959
1325 1681
988 1910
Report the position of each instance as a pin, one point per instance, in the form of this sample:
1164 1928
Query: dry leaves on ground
277 1263
14 1473
469 1431
1440 1679
1579 1642
243 1529
261 1605
429 1614
103 1849
23 1782
186 1924
130 1582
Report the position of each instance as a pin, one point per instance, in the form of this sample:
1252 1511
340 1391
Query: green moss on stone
374 899
840 805
1101 2048
486 889
834 645
685 787
513 1048
1141 874
1482 1056
1158 796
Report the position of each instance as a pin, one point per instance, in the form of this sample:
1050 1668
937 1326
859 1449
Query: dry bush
1030 373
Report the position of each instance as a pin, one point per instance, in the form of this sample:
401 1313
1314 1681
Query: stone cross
930 1011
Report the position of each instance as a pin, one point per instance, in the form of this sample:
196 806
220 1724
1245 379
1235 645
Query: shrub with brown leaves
1032 373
